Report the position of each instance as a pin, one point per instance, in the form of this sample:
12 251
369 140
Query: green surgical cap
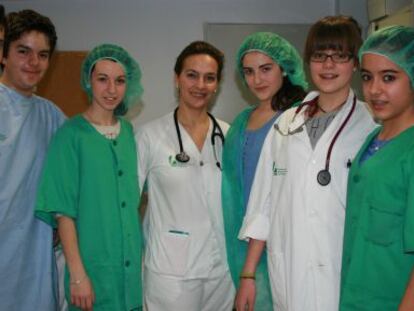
279 50
395 43
132 71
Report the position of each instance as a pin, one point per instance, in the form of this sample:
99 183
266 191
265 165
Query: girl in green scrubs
272 70
378 251
89 188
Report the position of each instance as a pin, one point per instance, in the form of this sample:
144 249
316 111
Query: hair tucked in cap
395 43
279 50
132 72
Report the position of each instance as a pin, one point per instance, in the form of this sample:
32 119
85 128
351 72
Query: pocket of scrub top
174 252
277 274
383 227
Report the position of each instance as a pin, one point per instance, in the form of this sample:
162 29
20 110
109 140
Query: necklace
109 131
377 144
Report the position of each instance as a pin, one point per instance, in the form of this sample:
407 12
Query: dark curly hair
287 96
2 18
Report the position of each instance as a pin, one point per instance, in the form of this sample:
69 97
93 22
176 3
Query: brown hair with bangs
338 33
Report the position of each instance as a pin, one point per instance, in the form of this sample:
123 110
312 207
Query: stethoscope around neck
182 156
324 176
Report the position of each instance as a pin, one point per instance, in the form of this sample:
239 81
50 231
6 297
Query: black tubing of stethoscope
177 129
214 134
328 155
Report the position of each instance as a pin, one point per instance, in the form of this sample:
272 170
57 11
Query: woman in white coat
185 265
297 203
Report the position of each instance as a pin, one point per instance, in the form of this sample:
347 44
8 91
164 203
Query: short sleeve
59 183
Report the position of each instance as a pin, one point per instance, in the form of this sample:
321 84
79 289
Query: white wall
356 8
155 31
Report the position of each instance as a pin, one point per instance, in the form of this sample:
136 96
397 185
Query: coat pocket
277 274
169 255
383 227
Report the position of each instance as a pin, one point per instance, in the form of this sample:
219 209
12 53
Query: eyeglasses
320 57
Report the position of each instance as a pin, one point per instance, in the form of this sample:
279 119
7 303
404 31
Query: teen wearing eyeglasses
301 219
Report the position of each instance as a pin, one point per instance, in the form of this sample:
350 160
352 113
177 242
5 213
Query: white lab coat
301 220
183 225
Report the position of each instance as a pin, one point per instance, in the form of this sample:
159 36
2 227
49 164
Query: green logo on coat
174 163
278 171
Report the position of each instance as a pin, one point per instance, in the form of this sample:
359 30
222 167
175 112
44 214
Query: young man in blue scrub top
27 123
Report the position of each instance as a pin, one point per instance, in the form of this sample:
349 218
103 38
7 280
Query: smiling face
108 84
387 89
263 76
197 81
26 62
332 78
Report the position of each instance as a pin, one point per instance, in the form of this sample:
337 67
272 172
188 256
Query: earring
284 74
354 70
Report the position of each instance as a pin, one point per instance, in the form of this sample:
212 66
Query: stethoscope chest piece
182 157
324 177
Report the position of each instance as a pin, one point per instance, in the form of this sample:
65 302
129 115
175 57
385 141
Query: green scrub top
378 251
234 211
94 181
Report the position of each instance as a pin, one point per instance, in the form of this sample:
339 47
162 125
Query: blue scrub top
234 203
26 251
252 147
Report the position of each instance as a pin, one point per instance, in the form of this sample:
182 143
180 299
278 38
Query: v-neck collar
191 144
328 134
396 143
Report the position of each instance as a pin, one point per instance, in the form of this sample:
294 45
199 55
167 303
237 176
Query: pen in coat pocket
179 232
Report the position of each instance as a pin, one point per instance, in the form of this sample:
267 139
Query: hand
406 305
82 295
246 295
407 302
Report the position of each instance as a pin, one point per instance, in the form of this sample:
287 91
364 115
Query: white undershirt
109 131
